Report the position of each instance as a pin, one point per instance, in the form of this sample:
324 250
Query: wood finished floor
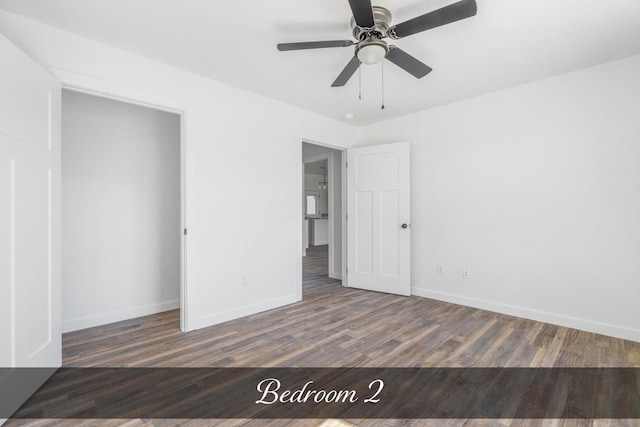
339 327
336 326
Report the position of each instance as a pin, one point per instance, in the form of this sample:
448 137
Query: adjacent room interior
322 225
316 220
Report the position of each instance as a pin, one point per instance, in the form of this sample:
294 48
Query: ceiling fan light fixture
370 24
371 51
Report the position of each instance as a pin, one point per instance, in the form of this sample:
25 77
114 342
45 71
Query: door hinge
346 270
185 231
346 164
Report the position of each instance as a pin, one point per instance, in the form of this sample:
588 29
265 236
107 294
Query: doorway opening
122 219
322 222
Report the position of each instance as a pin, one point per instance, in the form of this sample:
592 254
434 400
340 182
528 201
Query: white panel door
378 223
30 334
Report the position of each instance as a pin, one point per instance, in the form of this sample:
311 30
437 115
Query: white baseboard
526 313
336 275
247 310
116 316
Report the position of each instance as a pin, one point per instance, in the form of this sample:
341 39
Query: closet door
30 332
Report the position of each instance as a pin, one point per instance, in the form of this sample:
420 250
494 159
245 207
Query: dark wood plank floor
339 327
315 268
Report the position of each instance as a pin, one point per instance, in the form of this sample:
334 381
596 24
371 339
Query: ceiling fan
372 24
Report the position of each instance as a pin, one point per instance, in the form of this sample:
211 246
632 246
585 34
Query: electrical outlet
465 273
245 281
440 270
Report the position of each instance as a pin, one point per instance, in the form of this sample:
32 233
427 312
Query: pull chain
360 83
382 68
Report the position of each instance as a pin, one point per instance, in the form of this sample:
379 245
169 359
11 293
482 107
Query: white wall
233 139
121 216
536 190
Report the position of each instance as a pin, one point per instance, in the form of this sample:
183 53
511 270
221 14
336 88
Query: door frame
343 211
183 178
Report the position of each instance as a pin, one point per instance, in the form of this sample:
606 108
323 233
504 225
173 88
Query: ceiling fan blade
362 12
446 15
348 71
407 62
314 45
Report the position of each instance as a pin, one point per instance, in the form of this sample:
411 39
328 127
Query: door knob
405 226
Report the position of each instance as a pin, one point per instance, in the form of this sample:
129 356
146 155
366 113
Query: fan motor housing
382 21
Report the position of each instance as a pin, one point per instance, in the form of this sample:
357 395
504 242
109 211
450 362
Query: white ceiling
508 43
